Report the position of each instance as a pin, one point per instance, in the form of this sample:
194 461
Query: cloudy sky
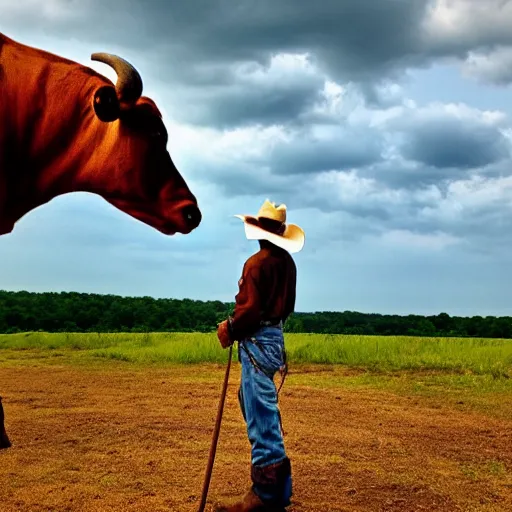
385 127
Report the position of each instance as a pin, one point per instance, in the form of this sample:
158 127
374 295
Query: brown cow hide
4 440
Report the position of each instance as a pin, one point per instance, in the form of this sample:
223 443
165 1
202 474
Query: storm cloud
342 149
454 145
353 40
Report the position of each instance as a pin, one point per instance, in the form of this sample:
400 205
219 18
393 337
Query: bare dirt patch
114 438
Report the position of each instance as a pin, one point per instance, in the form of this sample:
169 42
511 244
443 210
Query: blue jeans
261 356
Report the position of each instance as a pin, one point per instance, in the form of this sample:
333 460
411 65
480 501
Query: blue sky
386 130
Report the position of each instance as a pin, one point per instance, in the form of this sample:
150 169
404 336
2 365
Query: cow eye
157 132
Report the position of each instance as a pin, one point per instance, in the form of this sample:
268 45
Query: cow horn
129 82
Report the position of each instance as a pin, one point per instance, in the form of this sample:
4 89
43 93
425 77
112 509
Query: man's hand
223 334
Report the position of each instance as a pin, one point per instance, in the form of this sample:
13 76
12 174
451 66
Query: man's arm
290 305
291 296
246 316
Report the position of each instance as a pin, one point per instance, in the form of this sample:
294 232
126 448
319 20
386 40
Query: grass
467 372
491 357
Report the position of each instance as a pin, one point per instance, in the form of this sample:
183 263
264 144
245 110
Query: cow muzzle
192 216
176 208
185 218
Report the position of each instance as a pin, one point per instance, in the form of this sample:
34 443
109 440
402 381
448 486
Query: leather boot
249 503
273 480
4 440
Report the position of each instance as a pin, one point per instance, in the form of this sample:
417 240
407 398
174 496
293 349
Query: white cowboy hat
270 224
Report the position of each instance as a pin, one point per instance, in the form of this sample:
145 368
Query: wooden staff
216 431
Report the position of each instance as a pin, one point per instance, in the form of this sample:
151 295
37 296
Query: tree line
82 312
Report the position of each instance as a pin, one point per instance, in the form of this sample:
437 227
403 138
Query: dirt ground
110 438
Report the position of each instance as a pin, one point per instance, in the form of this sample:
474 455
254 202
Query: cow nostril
192 215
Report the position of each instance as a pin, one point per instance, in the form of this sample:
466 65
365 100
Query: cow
66 128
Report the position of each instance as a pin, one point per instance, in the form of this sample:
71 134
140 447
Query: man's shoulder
255 260
265 257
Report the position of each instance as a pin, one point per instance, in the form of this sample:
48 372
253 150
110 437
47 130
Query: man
265 299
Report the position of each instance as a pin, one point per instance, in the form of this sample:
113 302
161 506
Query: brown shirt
266 291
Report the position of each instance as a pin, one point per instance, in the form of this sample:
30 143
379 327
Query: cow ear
106 104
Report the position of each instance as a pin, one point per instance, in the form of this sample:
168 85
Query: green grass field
486 357
477 372
379 353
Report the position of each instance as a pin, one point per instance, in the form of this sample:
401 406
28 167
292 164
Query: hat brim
292 240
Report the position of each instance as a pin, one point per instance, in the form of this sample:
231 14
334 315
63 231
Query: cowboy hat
270 224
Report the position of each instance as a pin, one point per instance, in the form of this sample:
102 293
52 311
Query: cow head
143 180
